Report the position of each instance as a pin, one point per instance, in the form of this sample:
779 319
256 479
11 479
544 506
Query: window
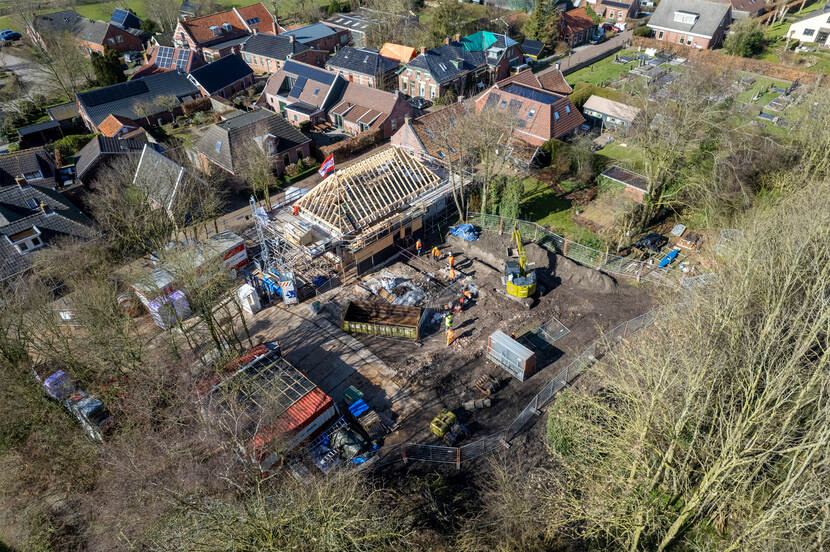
338 120
343 39
35 175
32 203
227 27
218 145
440 154
687 18
363 127
422 89
809 32
111 40
394 124
316 91
295 116
503 104
452 149
556 115
660 35
247 58
432 92
567 109
36 241
689 41
119 39
531 113
215 30
22 246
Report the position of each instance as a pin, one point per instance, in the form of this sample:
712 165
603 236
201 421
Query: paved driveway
584 54
34 78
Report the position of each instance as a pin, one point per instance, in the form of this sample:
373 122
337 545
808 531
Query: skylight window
531 113
34 175
567 109
316 91
32 203
442 66
440 154
366 59
252 21
429 133
503 104
452 149
218 145
556 115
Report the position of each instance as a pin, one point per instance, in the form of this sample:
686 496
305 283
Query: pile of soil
575 274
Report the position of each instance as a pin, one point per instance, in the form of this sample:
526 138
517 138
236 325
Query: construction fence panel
430 453
480 447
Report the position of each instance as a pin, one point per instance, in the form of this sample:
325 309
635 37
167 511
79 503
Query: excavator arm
517 237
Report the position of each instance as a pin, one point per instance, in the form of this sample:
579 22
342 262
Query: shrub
72 143
292 169
583 91
642 31
195 106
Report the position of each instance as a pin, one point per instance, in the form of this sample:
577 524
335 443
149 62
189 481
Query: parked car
653 242
91 413
599 37
9 35
420 103
608 27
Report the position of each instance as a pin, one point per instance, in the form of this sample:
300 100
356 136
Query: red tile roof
110 126
199 27
298 416
576 20
554 81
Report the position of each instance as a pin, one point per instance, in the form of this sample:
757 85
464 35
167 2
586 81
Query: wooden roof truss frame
355 197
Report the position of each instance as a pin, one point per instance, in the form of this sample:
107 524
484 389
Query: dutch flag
327 167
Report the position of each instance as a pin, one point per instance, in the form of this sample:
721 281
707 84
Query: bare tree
258 171
166 13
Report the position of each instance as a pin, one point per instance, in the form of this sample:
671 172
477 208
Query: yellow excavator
520 281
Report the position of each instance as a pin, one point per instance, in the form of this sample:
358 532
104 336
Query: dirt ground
433 376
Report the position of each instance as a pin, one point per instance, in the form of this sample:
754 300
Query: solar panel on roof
115 92
252 21
164 59
119 16
182 59
531 94
297 89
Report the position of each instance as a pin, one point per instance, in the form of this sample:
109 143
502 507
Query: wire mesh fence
583 254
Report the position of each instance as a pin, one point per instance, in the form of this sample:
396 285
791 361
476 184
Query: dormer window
32 203
35 175
22 183
216 30
531 113
26 241
227 27
685 17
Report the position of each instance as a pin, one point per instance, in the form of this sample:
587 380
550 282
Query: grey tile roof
310 33
73 22
366 61
64 220
225 142
441 62
101 147
37 127
223 72
27 161
122 98
63 111
161 177
709 15
275 47
532 47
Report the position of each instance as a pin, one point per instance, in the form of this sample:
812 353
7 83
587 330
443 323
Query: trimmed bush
72 143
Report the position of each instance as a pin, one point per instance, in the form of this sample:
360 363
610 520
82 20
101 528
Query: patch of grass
8 22
759 84
602 70
542 205
615 151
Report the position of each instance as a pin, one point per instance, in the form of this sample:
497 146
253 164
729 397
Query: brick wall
722 59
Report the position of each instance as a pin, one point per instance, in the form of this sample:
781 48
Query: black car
653 241
420 103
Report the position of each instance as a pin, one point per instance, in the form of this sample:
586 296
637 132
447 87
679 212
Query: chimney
253 30
58 158
458 38
423 50
407 119
291 38
460 98
558 65
447 41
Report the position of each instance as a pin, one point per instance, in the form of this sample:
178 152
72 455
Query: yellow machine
447 426
520 281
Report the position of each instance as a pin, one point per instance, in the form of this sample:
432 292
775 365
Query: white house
812 29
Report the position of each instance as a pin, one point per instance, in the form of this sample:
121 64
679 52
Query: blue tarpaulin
358 407
669 258
466 231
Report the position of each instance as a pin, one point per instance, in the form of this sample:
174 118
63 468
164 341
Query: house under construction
354 220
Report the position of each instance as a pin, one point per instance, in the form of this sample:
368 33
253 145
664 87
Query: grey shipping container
518 360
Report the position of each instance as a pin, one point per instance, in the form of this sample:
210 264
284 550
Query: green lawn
615 151
542 205
760 83
602 70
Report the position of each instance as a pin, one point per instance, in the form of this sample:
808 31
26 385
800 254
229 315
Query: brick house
361 108
224 77
617 11
422 136
695 23
465 65
321 37
268 53
301 92
227 144
576 27
223 33
92 36
540 114
365 66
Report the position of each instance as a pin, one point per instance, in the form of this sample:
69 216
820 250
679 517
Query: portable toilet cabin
515 358
249 299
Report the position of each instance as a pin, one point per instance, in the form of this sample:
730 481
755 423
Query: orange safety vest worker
452 273
450 336
452 260
467 294
436 253
418 245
